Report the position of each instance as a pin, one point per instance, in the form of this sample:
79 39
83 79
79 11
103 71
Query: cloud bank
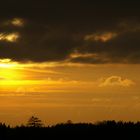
46 31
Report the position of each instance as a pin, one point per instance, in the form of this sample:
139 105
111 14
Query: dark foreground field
103 130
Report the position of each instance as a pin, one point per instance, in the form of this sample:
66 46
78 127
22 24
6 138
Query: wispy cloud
17 22
103 37
116 81
10 37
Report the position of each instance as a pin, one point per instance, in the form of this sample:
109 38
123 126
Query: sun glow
8 70
7 63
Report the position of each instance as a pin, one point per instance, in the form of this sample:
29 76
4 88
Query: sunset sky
69 60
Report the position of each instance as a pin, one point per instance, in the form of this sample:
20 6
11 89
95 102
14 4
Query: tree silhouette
69 121
102 130
34 122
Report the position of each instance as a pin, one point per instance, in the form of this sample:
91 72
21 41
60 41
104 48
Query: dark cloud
53 30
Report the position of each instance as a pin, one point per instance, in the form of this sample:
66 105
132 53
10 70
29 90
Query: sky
69 60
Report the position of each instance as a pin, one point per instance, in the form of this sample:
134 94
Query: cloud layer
95 32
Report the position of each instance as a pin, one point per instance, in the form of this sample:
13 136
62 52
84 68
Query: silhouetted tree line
35 129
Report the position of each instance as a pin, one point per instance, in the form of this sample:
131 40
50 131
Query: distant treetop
34 122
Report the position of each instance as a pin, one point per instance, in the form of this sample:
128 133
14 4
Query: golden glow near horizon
7 63
8 71
13 73
95 92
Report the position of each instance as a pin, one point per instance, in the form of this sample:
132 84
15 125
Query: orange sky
56 92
